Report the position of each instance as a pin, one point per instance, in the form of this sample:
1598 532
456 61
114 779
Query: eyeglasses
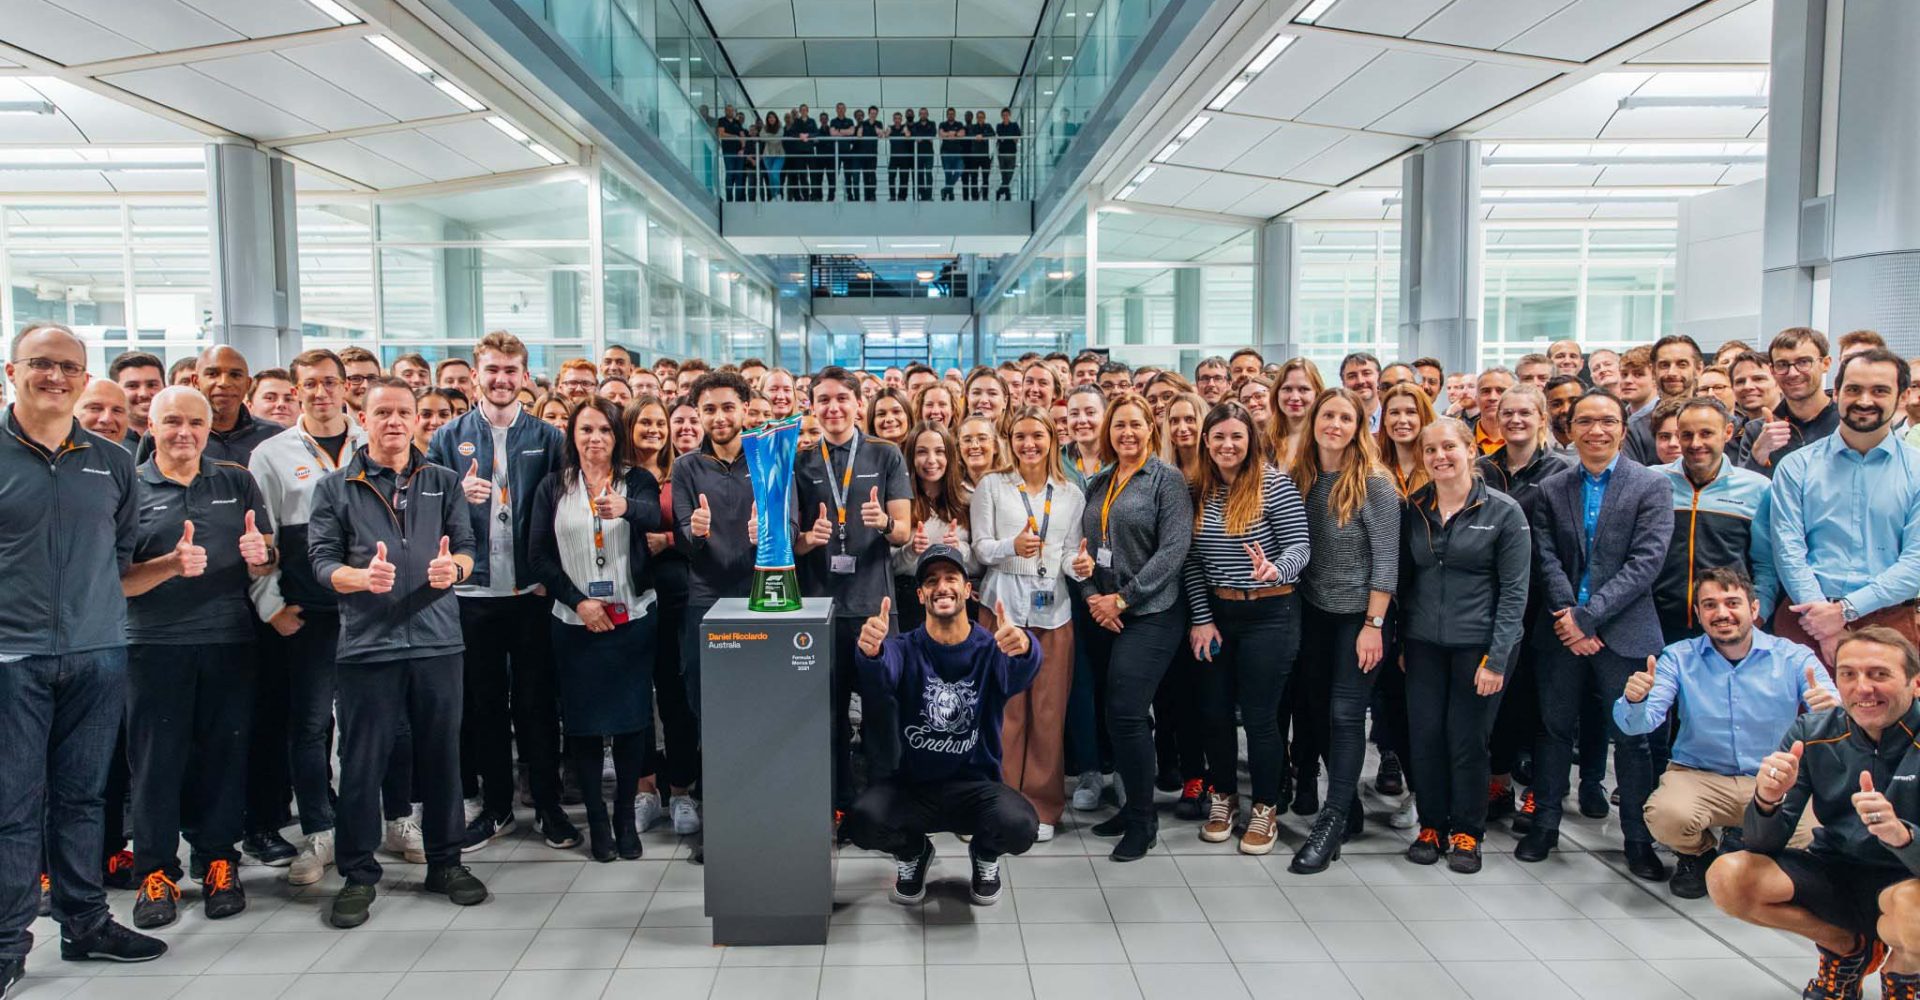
1587 422
1801 365
574 383
357 380
315 384
68 369
1212 378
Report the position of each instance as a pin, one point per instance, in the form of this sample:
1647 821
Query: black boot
1323 844
1537 844
1390 779
1141 836
600 840
1356 821
626 838
1645 863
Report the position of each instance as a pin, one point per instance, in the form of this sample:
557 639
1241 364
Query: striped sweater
1219 558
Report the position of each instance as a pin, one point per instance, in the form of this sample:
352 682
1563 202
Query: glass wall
1170 290
1347 293
1077 55
129 273
1044 307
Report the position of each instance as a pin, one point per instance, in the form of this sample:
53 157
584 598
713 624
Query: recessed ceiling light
1315 10
400 55
1270 52
335 11
460 97
1228 93
546 154
507 127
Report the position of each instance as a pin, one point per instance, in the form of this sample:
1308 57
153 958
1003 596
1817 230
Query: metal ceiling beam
1442 49
380 129
1623 160
226 50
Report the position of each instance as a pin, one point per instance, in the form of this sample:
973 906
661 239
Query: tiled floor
1192 920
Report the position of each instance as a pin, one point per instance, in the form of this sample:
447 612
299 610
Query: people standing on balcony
773 155
899 158
923 130
732 130
953 154
800 156
1009 147
840 165
979 157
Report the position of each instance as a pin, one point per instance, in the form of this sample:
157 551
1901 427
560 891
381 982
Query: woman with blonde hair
1295 388
981 448
938 403
1353 522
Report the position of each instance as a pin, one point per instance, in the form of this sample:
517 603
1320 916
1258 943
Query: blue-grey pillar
255 253
1440 254
1793 166
1876 206
1275 282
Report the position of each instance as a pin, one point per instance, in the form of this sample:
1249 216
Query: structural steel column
1440 254
255 253
1275 279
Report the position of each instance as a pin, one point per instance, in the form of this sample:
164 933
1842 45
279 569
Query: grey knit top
1352 559
1149 529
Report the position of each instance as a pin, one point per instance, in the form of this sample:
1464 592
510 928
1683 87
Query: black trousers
374 699
1516 727
113 821
1007 161
678 763
269 776
899 178
510 694
895 816
1258 642
1564 679
879 717
923 175
862 183
1133 662
1087 745
309 669
629 753
1179 731
1449 723
189 712
1337 693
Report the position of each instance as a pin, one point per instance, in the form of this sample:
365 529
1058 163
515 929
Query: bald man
103 410
222 375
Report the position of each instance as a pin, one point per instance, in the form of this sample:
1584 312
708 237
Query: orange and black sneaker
224 896
1839 976
1193 800
1499 799
119 874
158 903
1900 986
1523 817
1463 854
46 895
1426 848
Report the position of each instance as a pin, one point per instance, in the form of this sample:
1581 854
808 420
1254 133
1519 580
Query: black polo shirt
875 464
841 141
212 608
69 518
981 130
924 129
1008 132
730 127
869 142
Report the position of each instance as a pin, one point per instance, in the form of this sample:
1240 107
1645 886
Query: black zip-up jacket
351 514
234 445
68 521
722 562
1799 434
1464 583
1524 488
1836 752
533 449
543 545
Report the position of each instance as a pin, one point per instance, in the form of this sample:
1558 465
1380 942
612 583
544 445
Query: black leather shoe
111 942
1390 779
1644 863
1135 843
267 847
1690 874
1112 826
1536 845
1593 800
600 841
1323 844
11 971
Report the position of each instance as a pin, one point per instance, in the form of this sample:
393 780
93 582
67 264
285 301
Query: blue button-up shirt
1847 525
1731 716
1593 493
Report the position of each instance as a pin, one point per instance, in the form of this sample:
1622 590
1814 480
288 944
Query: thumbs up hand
1877 813
441 571
379 571
873 514
874 632
253 544
1012 639
1640 684
753 523
192 558
477 489
822 531
1817 697
1778 772
1082 562
920 539
701 524
1028 542
610 504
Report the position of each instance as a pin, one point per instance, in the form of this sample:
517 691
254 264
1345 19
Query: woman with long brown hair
937 403
1405 411
647 420
890 417
980 448
1353 520
938 487
1294 389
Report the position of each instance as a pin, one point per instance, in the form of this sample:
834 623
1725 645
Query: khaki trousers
1689 805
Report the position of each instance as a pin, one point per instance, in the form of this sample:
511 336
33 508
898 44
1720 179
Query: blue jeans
58 719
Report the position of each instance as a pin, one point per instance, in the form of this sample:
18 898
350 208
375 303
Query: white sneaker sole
1267 848
979 900
906 900
305 878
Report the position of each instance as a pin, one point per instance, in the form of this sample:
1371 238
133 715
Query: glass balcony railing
892 168
1078 56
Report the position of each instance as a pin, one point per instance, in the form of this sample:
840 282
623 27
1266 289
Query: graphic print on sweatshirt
949 718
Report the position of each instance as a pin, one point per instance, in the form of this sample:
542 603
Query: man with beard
1737 687
1846 515
1721 518
1853 891
947 683
1804 413
1677 363
1562 390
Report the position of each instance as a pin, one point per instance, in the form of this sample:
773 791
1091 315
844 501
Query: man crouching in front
1854 891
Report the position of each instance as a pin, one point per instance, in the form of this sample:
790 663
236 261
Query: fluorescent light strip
400 55
335 11
1315 10
1254 68
1270 53
1228 93
460 97
1166 152
546 154
1193 127
508 128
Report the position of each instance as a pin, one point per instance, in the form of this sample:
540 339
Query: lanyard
599 531
1114 486
500 483
839 493
313 448
1046 517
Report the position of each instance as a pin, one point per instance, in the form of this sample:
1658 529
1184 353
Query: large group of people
1059 583
798 155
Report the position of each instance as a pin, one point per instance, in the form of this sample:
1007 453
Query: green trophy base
774 590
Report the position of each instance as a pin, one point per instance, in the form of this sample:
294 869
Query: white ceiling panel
55 182
1348 157
98 118
842 57
1683 123
855 91
1745 35
1485 24
1284 149
61 35
1459 98
160 25
1220 192
1360 203
1272 198
833 18
485 145
915 18
1579 112
1168 184
1223 141
1663 174
1308 70
999 17
269 78
1380 17
984 56
370 75
750 18
980 92
779 92
1586 28
210 100
261 18
358 163
1382 85
1649 210
913 92
918 57
421 154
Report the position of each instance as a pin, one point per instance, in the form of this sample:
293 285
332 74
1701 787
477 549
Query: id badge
617 613
1042 600
1104 558
600 590
842 564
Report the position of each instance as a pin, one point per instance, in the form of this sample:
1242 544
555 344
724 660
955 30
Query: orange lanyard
846 480
1046 508
1114 486
599 531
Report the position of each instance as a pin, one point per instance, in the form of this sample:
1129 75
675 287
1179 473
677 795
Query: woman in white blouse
939 514
1026 529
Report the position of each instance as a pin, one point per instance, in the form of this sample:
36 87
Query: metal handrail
882 167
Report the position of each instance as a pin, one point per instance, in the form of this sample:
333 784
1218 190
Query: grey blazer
1636 522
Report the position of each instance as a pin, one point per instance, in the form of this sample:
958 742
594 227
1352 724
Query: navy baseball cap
937 553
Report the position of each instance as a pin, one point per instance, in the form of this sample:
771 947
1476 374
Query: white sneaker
471 809
404 840
313 860
607 775
1045 834
1402 818
1086 791
646 811
686 815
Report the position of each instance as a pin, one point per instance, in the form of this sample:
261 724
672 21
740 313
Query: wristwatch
1847 610
1376 621
1119 603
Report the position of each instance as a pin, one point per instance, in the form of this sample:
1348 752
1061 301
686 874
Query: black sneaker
158 903
1644 862
1193 801
1426 848
1838 976
268 848
1690 874
223 896
486 828
1390 779
351 905
1732 838
118 871
1306 792
986 880
1463 854
1112 826
457 883
910 875
111 942
559 833
1593 800
11 971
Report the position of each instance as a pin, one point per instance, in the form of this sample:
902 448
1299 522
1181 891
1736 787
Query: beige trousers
1689 805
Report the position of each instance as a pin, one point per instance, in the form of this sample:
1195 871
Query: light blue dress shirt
1847 525
1593 493
1731 717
